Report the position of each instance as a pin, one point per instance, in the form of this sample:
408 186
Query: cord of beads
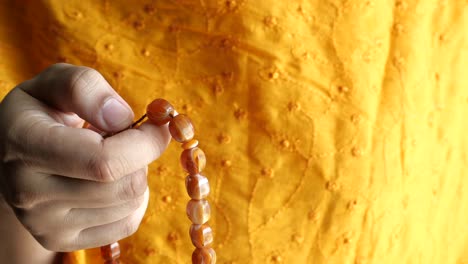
193 161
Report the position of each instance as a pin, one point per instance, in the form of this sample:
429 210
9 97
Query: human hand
68 186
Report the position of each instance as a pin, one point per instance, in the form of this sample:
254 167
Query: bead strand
193 161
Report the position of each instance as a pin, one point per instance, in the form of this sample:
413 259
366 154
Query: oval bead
201 235
110 252
197 186
198 211
190 144
204 256
181 128
193 160
159 111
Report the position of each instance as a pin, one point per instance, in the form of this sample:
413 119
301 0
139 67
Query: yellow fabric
335 131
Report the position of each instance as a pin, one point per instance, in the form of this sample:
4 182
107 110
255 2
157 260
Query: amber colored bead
181 128
190 144
115 261
197 186
193 160
204 256
160 111
110 252
201 235
198 211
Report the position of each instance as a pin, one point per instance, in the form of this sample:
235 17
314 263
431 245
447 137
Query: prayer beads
193 161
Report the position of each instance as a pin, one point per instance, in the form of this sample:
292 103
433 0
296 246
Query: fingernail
115 114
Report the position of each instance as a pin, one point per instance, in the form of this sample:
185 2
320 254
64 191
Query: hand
68 186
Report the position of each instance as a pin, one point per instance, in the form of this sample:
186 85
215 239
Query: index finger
84 154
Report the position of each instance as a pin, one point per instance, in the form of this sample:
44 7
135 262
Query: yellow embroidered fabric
335 131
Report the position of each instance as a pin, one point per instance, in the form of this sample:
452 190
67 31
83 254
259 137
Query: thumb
84 91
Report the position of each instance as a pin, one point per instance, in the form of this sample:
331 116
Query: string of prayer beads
193 161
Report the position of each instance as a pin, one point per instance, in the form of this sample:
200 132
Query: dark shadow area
30 29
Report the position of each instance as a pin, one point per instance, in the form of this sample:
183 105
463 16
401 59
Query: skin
63 187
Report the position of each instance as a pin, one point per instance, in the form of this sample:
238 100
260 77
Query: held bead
201 235
198 211
193 160
197 186
204 256
159 111
181 128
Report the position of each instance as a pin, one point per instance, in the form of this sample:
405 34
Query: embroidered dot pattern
310 112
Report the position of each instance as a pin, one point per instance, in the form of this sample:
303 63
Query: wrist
20 247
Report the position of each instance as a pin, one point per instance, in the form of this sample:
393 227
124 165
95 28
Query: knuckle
54 67
18 137
22 199
9 127
84 81
106 167
130 227
45 242
51 243
30 222
134 204
56 240
18 193
51 72
70 218
100 168
136 187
